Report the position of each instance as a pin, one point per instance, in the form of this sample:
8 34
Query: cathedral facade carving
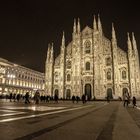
92 64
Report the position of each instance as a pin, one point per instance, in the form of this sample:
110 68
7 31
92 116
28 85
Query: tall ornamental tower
62 67
130 65
49 71
136 65
114 61
97 33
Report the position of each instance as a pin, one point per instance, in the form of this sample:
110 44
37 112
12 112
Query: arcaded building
17 79
92 64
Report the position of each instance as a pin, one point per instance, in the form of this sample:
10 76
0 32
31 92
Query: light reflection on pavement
35 108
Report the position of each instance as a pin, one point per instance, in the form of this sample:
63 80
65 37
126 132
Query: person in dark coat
27 98
126 97
83 98
37 97
134 102
73 98
56 98
11 97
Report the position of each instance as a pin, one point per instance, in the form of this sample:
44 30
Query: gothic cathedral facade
93 65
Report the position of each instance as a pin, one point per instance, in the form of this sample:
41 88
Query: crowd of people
75 99
127 100
27 98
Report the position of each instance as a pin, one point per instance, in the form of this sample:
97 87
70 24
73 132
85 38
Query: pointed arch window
108 61
68 64
68 77
108 75
56 76
124 74
87 65
87 47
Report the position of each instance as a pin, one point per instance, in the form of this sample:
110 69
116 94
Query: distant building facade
18 79
93 65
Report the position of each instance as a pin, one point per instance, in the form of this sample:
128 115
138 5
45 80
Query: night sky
27 26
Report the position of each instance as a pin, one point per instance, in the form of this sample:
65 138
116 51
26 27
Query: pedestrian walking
56 98
37 97
77 99
83 98
11 97
73 98
18 97
134 102
126 99
27 98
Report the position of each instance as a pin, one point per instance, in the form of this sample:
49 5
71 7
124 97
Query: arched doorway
56 92
88 91
125 90
68 94
109 93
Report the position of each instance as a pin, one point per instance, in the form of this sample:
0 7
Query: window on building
87 47
56 77
68 77
68 64
124 74
68 94
108 61
108 75
87 66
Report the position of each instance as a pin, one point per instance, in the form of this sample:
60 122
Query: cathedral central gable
87 30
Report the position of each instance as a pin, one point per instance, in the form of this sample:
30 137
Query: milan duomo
93 65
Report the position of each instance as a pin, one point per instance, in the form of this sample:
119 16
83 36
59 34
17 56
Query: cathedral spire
74 27
129 44
78 26
134 43
51 57
94 24
48 53
63 40
99 24
113 32
52 51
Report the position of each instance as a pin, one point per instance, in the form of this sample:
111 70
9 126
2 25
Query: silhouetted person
37 97
126 99
10 97
73 98
14 97
134 102
83 98
27 98
77 99
56 98
18 97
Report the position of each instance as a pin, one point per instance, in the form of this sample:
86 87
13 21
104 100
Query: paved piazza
65 120
32 110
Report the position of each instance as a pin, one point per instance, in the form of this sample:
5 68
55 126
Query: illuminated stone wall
92 64
18 79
